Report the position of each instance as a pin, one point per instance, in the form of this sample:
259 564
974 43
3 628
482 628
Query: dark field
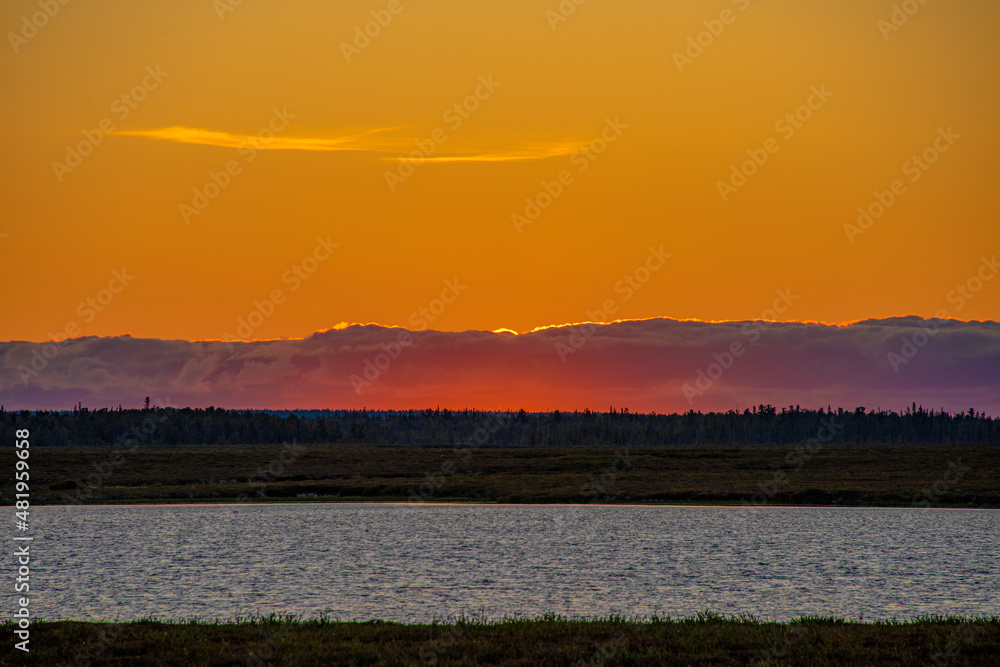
709 640
903 475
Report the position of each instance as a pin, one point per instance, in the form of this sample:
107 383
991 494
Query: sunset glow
219 171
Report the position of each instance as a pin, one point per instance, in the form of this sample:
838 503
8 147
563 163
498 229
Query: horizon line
504 331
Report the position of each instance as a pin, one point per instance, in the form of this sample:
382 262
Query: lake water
420 562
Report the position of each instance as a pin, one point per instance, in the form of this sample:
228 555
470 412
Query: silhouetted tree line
763 424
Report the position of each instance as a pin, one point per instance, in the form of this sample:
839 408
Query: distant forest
762 425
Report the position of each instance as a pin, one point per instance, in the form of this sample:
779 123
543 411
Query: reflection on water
420 562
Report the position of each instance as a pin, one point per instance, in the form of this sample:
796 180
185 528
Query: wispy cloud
504 155
364 140
372 140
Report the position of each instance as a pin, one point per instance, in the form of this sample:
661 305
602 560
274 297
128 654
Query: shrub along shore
551 640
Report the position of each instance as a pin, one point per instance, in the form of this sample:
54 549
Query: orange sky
607 77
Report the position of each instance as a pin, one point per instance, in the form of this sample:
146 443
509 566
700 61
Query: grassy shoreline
707 639
840 475
388 500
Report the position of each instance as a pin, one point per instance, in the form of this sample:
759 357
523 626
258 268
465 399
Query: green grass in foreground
550 640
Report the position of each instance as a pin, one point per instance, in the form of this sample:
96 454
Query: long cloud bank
658 365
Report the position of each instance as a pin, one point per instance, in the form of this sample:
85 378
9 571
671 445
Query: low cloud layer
650 365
